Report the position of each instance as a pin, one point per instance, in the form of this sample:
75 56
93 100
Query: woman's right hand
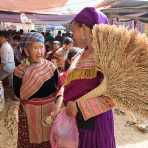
71 109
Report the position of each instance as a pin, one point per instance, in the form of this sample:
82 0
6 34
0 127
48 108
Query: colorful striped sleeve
95 106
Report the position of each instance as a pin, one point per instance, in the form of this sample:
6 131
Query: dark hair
4 34
32 31
21 31
17 37
59 32
67 40
57 42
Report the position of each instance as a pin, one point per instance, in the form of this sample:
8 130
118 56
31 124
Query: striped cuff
95 106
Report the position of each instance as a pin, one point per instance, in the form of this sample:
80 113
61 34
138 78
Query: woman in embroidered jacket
36 84
92 111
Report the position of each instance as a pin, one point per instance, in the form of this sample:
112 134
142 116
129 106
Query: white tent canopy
30 5
48 6
44 11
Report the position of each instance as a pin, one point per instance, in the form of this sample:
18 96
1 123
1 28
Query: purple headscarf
90 16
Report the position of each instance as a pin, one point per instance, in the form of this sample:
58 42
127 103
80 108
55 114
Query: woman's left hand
71 109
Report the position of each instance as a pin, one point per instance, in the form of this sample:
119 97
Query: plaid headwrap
31 36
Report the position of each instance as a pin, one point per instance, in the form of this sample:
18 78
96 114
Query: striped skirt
23 133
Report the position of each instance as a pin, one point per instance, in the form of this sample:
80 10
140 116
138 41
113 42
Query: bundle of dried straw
122 56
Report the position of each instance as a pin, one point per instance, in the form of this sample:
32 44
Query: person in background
36 85
69 34
73 53
21 32
61 53
82 95
43 33
17 50
59 37
67 45
49 41
70 57
56 46
63 35
49 37
7 65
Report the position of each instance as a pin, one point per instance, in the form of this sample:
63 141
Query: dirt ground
126 136
129 136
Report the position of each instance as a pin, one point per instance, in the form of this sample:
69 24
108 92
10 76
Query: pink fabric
64 132
63 77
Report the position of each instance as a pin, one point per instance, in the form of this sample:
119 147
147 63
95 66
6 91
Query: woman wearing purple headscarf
92 111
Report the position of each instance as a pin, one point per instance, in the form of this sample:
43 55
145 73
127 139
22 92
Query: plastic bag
2 98
64 132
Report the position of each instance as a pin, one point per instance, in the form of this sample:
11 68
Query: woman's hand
71 109
49 120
